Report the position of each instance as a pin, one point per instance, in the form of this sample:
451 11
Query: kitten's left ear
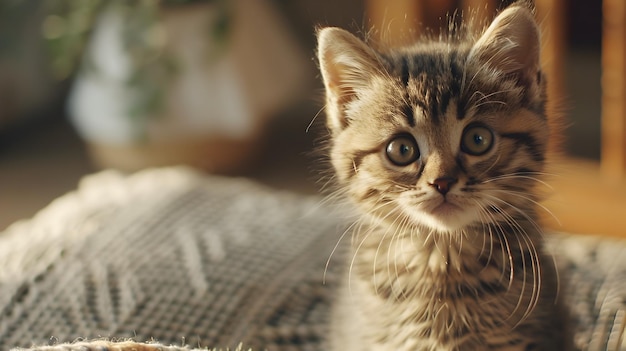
511 44
347 65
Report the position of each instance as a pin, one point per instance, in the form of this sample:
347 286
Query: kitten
440 146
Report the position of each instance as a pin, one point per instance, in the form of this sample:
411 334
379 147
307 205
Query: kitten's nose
443 184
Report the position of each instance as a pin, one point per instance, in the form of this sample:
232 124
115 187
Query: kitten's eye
402 150
476 140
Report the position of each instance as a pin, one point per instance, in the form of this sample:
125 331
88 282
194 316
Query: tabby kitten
440 146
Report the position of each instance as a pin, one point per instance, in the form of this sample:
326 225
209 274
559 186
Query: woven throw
171 259
105 345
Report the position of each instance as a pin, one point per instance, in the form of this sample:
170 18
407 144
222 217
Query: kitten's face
440 136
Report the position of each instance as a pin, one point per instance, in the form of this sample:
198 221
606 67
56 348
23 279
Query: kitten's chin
443 217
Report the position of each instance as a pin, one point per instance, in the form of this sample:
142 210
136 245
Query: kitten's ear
511 44
347 65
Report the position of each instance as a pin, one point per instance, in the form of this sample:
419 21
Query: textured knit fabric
106 345
173 257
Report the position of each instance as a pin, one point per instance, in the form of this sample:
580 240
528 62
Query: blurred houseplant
174 81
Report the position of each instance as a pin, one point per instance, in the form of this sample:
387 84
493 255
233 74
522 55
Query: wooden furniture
585 196
614 89
583 199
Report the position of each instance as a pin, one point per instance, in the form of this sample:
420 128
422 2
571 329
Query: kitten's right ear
347 65
512 42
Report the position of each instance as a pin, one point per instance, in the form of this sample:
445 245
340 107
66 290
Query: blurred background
228 86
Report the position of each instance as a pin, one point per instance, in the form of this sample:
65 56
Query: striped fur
447 252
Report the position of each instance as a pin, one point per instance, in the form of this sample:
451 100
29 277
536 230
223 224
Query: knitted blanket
173 257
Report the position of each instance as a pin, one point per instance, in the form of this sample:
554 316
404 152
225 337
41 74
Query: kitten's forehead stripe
405 76
458 74
404 71
432 81
409 115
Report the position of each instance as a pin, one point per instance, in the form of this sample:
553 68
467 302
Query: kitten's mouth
442 214
445 209
447 216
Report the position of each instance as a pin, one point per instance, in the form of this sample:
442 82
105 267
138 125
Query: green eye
402 150
476 140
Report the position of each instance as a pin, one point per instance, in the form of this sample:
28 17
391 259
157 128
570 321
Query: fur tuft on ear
347 65
511 44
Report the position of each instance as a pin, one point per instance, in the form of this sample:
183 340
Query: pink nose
443 184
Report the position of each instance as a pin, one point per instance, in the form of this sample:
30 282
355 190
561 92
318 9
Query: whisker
483 212
332 253
506 249
529 172
526 216
486 96
490 167
536 271
535 202
497 102
378 205
525 176
514 226
355 254
397 236
308 127
380 243
535 262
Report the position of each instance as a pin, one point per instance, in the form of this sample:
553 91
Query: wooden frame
614 89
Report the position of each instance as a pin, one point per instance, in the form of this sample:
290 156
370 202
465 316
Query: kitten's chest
411 268
449 296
